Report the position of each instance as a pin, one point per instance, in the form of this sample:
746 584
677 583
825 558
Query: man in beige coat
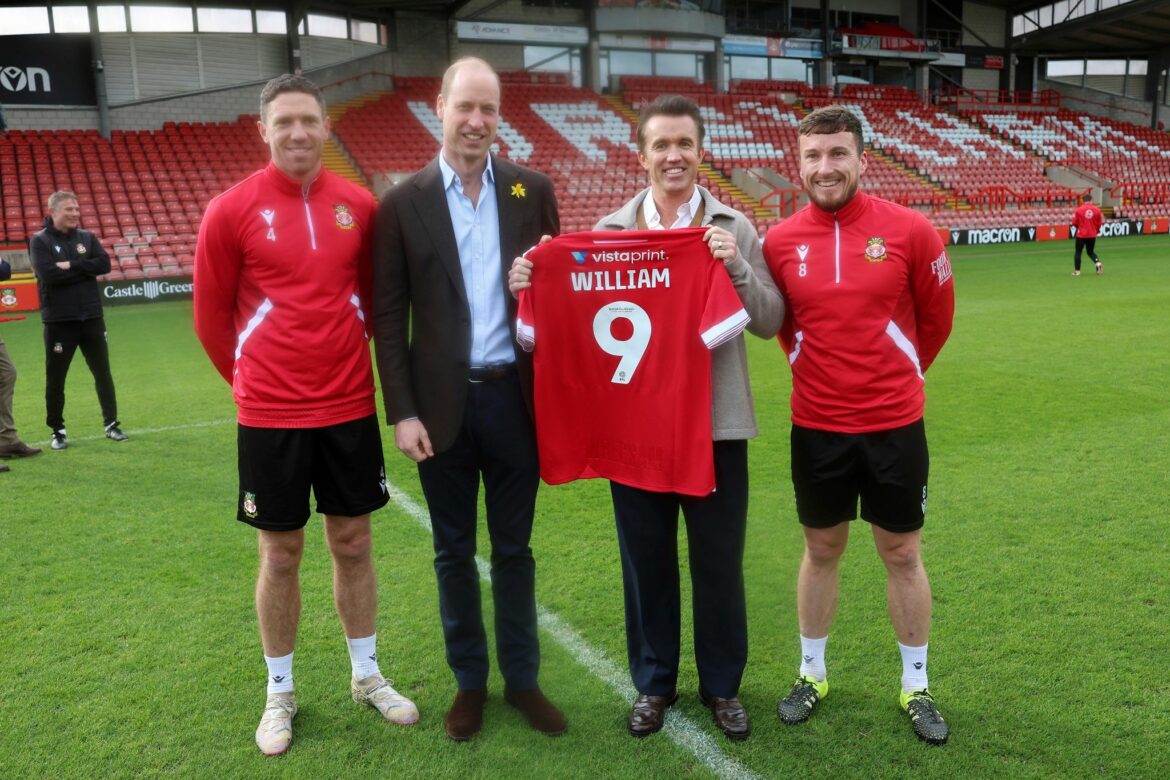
670 146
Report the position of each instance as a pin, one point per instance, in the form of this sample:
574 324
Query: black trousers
647 527
498 442
61 340
1081 244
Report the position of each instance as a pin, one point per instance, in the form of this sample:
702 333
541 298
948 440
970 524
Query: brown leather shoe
541 713
730 716
19 450
648 713
465 718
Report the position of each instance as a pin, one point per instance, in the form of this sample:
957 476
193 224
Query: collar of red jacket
285 182
847 213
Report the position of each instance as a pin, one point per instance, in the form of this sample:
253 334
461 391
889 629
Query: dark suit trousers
498 441
647 526
61 340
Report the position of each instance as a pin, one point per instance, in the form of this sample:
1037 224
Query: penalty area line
682 730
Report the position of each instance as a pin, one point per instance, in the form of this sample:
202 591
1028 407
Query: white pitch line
138 431
681 729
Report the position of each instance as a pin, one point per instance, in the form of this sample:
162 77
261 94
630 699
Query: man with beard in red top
870 303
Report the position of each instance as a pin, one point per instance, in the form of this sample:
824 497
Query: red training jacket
282 289
870 305
1087 220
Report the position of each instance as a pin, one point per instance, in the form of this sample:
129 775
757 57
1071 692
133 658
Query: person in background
67 261
1087 221
10 444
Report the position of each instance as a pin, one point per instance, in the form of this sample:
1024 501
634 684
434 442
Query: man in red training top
282 287
1086 222
870 303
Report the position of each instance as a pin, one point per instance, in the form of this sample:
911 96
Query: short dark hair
828 120
287 82
669 105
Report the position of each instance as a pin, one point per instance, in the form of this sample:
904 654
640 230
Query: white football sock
812 657
363 656
913 667
280 678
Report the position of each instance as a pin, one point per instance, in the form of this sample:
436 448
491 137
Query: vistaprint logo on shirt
627 256
580 257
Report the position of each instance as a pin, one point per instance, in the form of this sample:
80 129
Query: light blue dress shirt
477 235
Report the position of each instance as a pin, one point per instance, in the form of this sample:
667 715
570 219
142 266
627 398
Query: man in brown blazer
457 388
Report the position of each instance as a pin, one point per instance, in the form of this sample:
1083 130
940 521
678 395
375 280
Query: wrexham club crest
8 296
343 217
250 504
875 250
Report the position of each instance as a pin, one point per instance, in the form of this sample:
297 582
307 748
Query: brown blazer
422 321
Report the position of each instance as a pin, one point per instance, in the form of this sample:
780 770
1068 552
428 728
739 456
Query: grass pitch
130 648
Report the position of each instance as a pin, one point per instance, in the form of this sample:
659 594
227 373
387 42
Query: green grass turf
129 645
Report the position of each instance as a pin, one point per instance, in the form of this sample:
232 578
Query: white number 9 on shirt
629 350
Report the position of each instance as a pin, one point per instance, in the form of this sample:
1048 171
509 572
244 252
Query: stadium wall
980 78
883 7
224 104
1104 104
183 78
516 11
985 21
1128 86
989 24
506 56
423 45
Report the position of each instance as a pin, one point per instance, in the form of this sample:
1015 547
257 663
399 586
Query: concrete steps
335 157
758 210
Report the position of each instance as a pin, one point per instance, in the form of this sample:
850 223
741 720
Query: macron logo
580 257
268 215
802 250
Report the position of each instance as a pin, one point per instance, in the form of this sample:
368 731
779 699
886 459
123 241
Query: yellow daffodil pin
518 190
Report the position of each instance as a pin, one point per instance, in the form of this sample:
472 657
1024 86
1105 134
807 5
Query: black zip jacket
68 295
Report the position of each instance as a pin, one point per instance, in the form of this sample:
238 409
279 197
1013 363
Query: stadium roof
1132 29
1135 28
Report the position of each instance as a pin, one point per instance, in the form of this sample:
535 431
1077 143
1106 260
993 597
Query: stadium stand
1114 150
965 165
142 192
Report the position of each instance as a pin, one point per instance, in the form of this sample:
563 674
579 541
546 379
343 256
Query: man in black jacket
67 261
10 444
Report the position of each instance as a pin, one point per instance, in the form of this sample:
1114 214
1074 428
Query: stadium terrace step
335 159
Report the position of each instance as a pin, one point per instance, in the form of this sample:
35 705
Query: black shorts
341 463
887 470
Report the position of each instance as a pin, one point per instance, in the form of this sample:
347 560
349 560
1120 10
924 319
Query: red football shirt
626 321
